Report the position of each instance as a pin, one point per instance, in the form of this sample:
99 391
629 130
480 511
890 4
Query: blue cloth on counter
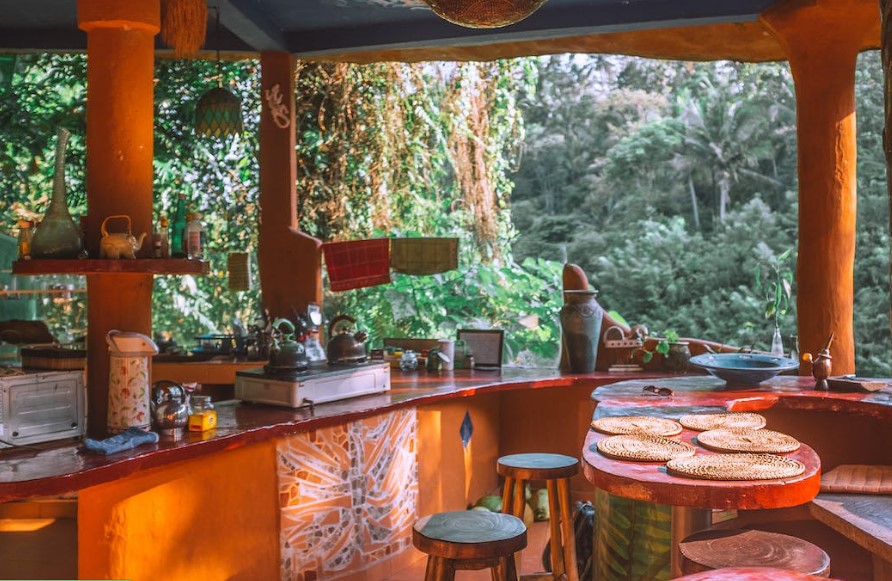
129 438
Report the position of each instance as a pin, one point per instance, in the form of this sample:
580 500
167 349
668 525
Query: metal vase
581 329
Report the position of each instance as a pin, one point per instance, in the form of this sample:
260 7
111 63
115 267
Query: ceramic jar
581 329
678 357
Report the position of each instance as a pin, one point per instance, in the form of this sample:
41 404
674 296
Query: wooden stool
469 540
717 549
555 470
748 574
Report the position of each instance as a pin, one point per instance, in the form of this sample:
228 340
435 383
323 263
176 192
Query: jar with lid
24 241
203 416
408 361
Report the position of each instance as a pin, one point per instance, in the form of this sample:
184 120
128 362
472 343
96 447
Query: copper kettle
344 346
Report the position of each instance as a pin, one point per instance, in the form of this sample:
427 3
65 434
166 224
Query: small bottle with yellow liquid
203 416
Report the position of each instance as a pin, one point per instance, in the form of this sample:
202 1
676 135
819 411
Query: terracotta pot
581 327
678 357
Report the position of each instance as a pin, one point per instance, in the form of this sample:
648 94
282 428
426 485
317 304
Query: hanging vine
393 148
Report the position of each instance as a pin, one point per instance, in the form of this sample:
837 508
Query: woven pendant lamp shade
218 114
183 26
484 13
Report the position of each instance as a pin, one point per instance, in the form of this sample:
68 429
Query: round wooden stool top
751 548
537 466
469 534
748 574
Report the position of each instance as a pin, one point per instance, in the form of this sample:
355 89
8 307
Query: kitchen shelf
111 266
37 291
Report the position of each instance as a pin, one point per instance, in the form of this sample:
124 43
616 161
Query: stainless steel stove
319 384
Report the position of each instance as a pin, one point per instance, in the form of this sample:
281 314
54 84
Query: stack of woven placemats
751 449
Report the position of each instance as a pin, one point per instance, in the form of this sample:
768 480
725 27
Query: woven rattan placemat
644 448
747 440
637 425
735 467
703 422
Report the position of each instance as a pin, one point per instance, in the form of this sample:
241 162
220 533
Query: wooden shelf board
111 266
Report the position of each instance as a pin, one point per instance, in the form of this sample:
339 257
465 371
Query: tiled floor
531 560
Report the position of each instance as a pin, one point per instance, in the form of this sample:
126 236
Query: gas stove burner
319 383
273 370
349 363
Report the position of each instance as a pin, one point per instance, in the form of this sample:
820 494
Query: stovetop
316 369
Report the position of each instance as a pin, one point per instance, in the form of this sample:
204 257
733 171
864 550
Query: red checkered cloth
357 263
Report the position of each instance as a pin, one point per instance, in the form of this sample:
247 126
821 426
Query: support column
120 91
290 260
822 41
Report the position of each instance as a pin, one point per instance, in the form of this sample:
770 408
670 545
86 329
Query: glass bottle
58 236
163 234
408 361
794 347
24 244
777 343
193 237
177 248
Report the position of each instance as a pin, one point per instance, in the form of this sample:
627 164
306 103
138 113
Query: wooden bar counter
278 493
834 428
332 492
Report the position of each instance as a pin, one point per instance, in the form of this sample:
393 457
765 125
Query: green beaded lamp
218 112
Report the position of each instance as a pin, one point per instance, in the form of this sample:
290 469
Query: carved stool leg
508 496
567 532
557 556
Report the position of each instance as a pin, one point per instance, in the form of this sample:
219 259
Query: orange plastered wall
451 475
213 518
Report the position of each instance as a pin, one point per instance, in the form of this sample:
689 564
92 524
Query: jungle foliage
668 182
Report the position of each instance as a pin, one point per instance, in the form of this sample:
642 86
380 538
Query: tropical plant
774 284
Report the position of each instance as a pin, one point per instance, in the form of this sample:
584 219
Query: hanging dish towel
357 263
424 255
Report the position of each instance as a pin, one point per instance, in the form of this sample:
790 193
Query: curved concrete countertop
59 467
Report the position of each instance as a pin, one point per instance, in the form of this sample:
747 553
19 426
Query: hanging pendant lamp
218 112
183 26
484 13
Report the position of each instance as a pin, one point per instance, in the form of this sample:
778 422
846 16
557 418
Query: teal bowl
742 369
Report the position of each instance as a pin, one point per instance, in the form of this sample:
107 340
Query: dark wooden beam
252 25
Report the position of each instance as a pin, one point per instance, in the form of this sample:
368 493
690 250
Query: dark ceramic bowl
740 369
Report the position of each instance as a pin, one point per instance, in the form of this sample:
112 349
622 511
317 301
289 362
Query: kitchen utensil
170 410
128 381
286 354
343 346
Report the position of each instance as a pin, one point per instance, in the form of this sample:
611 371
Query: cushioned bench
866 519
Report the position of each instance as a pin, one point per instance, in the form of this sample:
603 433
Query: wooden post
886 45
120 77
290 261
822 41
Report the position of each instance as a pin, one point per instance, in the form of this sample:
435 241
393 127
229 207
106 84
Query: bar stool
469 540
555 470
717 549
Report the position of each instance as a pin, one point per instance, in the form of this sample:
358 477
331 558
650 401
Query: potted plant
774 285
676 353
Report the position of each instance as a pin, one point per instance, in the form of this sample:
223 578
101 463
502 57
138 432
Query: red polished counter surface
650 481
59 467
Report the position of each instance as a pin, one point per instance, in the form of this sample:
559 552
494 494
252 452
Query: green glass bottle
178 228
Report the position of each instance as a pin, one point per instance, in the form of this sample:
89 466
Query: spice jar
203 416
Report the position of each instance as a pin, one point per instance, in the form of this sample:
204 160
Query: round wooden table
691 500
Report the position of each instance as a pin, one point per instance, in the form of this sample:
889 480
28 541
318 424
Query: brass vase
57 236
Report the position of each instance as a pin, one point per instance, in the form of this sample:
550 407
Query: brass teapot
344 346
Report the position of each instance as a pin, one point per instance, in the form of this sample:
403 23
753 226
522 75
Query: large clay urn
581 329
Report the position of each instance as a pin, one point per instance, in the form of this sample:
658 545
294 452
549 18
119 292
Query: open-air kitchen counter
327 491
332 491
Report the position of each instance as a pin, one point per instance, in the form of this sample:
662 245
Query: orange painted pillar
822 41
290 260
120 89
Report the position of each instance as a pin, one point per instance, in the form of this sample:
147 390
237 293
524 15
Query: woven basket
703 422
644 448
735 467
747 440
637 425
